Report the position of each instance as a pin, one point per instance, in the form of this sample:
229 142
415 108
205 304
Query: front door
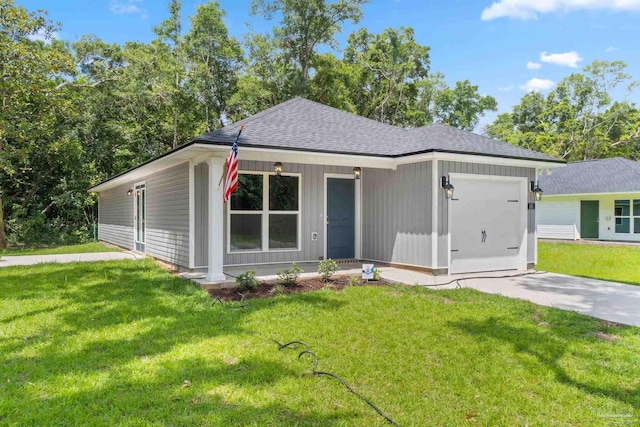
589 219
140 217
341 218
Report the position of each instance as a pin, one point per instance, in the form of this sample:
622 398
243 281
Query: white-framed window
627 216
264 213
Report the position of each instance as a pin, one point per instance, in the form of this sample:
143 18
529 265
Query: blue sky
504 46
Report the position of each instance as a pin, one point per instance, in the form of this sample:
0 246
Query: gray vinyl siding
396 214
168 215
312 211
201 176
115 217
446 167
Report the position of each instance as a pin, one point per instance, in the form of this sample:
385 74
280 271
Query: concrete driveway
615 302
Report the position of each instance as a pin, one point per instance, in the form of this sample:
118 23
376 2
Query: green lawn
83 248
113 343
607 262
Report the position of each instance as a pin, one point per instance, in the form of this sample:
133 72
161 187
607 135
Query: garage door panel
486 225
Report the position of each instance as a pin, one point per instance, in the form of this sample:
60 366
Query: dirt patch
266 290
606 337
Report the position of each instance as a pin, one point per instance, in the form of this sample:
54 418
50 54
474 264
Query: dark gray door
589 219
341 218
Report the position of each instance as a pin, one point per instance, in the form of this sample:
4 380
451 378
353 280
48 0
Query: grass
606 262
126 343
83 248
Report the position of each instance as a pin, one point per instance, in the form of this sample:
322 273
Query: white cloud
124 7
610 49
536 85
533 65
505 88
530 9
568 59
40 35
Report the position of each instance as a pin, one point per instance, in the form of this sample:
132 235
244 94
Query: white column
192 215
358 214
216 212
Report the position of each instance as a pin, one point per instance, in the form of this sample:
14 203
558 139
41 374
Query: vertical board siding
312 214
446 167
396 214
201 175
168 215
115 217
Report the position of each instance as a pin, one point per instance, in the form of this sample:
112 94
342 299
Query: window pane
246 232
622 225
283 231
636 225
623 208
636 208
248 195
283 193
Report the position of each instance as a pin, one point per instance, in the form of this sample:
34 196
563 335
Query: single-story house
350 188
594 199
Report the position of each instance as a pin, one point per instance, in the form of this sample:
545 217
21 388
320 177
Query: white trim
135 215
192 214
611 193
524 194
435 189
357 211
394 263
476 158
357 249
200 151
265 212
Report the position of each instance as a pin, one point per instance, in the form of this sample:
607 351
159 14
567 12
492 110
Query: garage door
487 227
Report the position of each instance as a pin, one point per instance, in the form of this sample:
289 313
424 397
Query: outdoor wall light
129 191
357 172
277 167
447 187
537 191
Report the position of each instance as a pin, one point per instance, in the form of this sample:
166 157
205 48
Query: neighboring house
395 212
594 199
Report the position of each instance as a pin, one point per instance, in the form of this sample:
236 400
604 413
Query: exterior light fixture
129 191
537 191
277 167
357 172
447 187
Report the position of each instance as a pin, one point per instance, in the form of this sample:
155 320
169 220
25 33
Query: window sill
264 252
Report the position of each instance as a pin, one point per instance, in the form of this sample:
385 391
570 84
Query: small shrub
247 281
376 274
326 268
354 281
289 275
277 290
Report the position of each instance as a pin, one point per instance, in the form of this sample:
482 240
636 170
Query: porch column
216 212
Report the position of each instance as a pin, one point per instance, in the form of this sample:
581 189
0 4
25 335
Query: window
625 218
264 213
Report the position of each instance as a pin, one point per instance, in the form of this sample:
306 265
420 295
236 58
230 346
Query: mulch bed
265 290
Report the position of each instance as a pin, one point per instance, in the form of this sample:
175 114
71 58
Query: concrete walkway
10 261
615 302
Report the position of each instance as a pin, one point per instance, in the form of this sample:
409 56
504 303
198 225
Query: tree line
76 113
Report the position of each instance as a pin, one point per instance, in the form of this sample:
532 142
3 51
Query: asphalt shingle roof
612 175
300 124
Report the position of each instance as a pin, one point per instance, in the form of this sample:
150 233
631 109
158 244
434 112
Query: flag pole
225 168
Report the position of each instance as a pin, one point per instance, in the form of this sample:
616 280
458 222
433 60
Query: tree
579 120
391 66
31 93
214 61
305 25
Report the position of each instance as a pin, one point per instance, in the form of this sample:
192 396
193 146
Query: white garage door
487 226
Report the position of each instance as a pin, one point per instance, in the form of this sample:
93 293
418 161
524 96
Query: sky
506 47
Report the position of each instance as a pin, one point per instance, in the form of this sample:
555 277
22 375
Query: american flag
231 181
